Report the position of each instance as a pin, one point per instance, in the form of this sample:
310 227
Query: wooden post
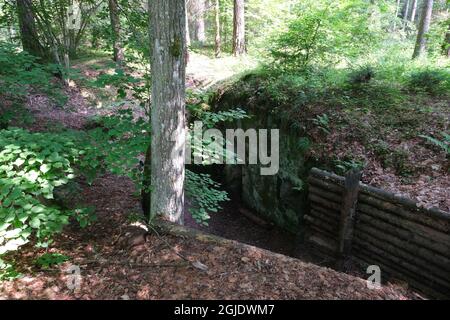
347 220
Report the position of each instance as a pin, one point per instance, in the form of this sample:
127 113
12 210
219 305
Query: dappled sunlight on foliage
32 165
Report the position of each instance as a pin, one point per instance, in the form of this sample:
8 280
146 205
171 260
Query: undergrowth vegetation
34 165
391 96
20 72
367 93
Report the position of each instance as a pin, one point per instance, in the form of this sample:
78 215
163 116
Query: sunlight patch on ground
210 71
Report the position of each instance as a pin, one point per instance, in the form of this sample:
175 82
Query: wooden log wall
406 241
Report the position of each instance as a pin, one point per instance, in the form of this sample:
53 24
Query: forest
224 149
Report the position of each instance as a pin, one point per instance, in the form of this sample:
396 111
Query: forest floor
114 265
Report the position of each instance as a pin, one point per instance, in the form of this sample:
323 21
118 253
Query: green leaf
45 168
35 223
19 162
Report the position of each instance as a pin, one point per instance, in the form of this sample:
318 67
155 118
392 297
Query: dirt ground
171 266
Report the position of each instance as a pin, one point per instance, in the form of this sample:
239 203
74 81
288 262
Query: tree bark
218 41
397 13
424 27
168 65
412 17
239 46
397 8
28 30
188 36
405 13
116 31
446 46
198 20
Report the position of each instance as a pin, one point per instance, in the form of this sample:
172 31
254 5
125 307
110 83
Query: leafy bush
206 195
361 76
345 165
325 31
443 144
48 260
32 165
7 271
295 90
20 72
430 81
322 122
120 140
115 145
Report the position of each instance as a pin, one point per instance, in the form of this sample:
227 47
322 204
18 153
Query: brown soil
112 269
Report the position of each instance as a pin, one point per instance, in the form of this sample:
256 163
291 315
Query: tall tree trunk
198 16
116 31
397 8
397 12
239 46
405 13
168 65
28 30
424 27
218 41
412 17
447 43
188 36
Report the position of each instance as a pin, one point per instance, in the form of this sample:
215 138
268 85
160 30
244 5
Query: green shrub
361 76
32 165
342 166
398 160
20 72
206 195
432 81
325 32
48 260
8 271
443 143
119 140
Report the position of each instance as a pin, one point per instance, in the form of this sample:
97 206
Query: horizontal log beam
371 246
326 218
317 174
333 214
325 194
396 210
399 250
392 272
324 242
327 185
421 245
405 202
322 225
406 224
324 202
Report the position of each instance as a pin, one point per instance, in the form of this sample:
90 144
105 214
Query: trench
266 212
230 223
279 201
